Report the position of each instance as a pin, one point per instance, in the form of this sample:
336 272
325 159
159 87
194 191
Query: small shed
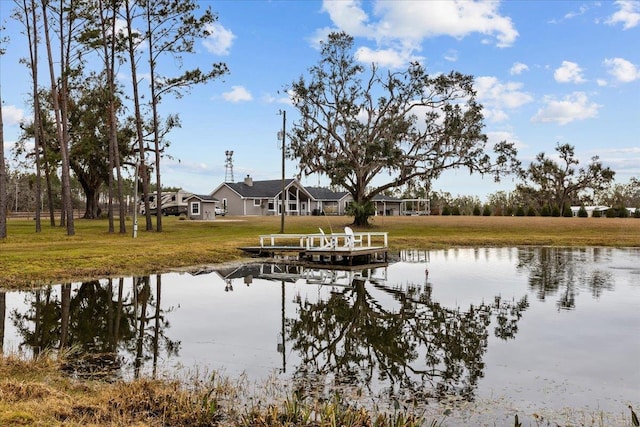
201 207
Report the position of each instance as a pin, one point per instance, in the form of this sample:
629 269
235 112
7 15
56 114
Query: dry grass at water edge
37 393
30 258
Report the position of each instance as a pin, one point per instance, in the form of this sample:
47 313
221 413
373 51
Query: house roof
271 188
263 189
323 193
384 198
203 197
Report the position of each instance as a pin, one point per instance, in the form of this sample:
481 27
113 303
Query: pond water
525 330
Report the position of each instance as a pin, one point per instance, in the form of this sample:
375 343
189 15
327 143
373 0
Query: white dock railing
361 240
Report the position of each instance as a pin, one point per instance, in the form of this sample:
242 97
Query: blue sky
547 72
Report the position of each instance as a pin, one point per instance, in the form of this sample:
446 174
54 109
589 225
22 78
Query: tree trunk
156 331
3 181
143 299
67 201
58 99
122 213
32 36
361 220
92 207
116 328
65 310
361 207
154 109
3 314
144 176
109 53
47 175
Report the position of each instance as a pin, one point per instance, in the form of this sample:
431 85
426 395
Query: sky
547 72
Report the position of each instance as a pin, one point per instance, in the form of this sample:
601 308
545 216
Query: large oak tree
358 123
557 183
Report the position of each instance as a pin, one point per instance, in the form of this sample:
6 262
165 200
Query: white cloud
569 72
280 98
581 11
496 136
384 57
457 18
496 97
401 25
575 106
11 115
451 55
518 68
625 161
628 14
237 94
622 70
348 16
188 166
621 152
572 14
220 39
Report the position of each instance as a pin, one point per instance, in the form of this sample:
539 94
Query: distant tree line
618 198
548 188
22 195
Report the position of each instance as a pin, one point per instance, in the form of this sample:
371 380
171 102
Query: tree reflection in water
95 323
565 272
417 350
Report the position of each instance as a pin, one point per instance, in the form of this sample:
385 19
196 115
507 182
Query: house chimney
248 181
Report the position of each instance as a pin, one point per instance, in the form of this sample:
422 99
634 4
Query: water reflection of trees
3 311
418 349
563 272
98 324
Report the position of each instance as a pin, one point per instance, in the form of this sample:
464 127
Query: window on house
271 205
257 202
195 208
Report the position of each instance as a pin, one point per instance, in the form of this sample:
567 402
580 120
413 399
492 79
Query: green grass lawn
29 258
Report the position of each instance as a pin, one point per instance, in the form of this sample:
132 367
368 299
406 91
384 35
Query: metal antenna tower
228 166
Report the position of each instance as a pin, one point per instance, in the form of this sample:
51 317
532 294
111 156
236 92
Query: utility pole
282 198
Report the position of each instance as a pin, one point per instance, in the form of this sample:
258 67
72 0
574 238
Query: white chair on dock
326 241
350 239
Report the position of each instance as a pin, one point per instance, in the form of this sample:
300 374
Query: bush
555 211
582 213
623 212
455 210
446 210
487 211
637 213
520 211
545 211
476 210
596 214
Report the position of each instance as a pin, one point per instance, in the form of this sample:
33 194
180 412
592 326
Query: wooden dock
348 248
